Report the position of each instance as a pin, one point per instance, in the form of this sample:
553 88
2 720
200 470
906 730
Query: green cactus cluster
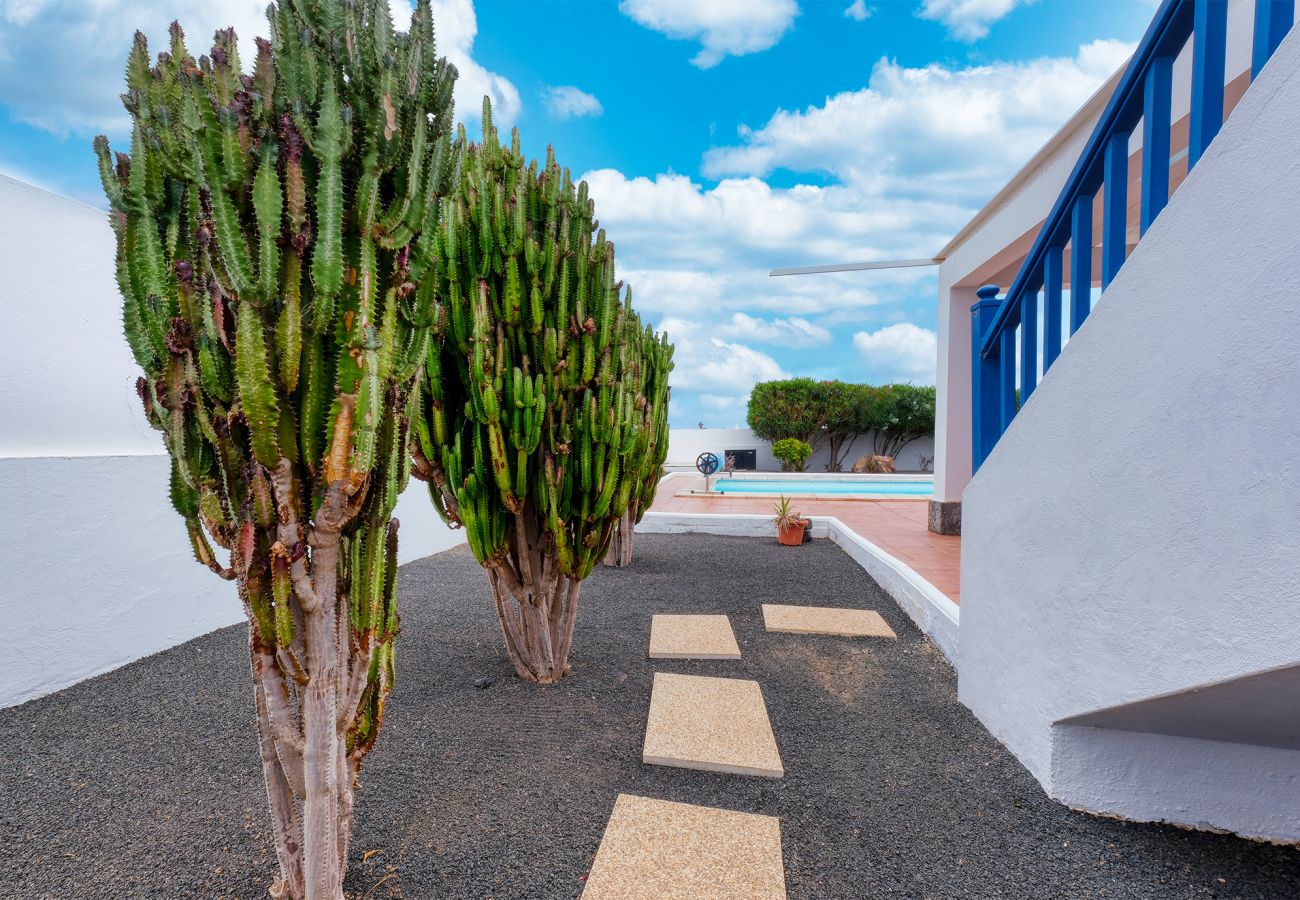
540 413
658 356
272 231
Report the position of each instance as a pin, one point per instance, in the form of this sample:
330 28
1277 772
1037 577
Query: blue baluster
1080 261
1273 20
986 415
1156 107
1052 277
1114 207
1209 37
1028 344
1007 375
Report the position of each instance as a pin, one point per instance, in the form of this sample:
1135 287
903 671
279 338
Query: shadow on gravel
145 782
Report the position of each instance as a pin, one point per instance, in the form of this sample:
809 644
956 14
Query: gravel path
145 782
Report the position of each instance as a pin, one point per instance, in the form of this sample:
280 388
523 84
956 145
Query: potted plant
789 524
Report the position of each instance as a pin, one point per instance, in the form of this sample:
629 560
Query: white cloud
456 26
859 11
968 20
904 162
788 332
933 133
721 373
61 61
745 223
901 352
569 102
723 402
723 27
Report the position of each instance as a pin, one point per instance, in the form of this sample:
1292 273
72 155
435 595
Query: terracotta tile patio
899 527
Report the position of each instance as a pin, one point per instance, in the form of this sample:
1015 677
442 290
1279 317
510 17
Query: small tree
902 413
538 430
838 407
785 409
793 454
280 341
658 356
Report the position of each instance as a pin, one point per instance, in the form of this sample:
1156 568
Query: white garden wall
95 567
1134 533
685 444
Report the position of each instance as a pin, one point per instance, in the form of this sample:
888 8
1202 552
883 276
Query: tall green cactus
537 428
273 235
658 356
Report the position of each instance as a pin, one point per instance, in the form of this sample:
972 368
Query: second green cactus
545 403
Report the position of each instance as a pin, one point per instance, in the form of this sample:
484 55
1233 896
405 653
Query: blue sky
721 138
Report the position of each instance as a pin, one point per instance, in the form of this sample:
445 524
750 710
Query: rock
875 464
482 681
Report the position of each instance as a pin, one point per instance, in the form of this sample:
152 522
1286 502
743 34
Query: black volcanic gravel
145 782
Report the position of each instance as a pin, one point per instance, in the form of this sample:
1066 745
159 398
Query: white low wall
1134 533
96 569
685 444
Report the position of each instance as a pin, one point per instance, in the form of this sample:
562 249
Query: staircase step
825 620
659 850
692 637
712 724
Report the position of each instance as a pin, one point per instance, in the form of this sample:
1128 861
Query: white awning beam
857 267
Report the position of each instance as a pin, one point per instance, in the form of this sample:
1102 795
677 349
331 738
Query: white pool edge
938 617
773 495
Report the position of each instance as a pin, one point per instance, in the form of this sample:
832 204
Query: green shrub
784 409
900 414
793 453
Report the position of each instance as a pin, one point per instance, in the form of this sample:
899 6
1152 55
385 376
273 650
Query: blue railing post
1157 104
1007 404
1114 208
1080 261
1209 49
1028 344
986 415
1053 275
1273 20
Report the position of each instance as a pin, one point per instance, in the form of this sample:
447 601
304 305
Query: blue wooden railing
1144 94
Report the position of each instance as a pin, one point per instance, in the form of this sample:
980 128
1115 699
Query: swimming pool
828 486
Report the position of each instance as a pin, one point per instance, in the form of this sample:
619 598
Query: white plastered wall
1134 533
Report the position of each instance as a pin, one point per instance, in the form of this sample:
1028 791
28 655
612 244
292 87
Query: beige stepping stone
692 637
714 724
825 620
657 850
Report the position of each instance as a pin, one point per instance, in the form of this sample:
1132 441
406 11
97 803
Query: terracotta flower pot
792 535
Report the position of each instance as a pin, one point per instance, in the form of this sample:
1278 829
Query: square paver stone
657 850
826 620
714 724
692 637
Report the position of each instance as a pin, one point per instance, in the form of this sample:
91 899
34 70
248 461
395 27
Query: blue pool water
795 487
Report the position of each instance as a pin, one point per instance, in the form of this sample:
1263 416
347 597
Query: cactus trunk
282 342
620 547
537 607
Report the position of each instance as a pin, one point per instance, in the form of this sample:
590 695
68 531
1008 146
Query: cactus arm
327 255
256 389
268 202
